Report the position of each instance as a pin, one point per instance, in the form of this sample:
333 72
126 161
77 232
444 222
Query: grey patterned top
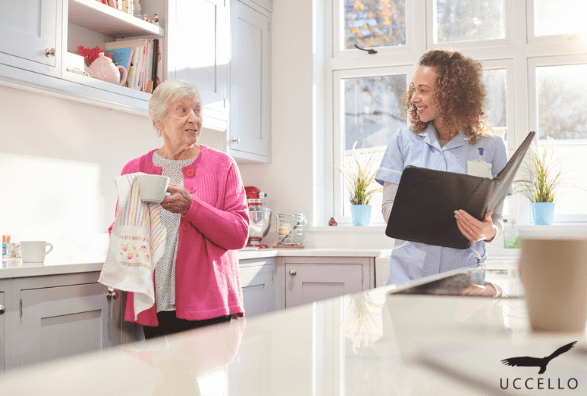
165 270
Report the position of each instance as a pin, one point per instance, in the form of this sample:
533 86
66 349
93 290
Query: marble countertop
371 343
16 269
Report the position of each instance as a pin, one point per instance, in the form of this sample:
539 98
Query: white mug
152 188
34 251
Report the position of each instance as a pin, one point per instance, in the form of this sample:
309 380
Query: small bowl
152 188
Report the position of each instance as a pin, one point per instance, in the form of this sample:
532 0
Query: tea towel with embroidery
137 242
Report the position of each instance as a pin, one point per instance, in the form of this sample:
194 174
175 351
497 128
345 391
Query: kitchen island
377 342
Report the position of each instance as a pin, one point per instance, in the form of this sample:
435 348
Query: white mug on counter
34 251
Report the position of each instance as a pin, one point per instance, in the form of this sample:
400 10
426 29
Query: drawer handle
2 309
236 140
293 272
49 52
112 295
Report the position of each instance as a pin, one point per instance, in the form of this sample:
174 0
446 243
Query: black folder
424 205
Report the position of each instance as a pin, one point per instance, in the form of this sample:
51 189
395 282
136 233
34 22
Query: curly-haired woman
448 132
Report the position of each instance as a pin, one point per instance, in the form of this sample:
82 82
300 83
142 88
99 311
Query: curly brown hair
460 94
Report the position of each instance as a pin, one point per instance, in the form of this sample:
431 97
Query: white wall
58 161
288 179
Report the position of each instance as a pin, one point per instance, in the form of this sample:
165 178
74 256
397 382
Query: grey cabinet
63 321
2 332
199 51
257 277
29 29
56 316
250 85
303 280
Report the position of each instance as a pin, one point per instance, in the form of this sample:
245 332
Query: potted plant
360 176
542 183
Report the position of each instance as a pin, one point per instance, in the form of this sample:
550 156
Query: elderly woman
448 131
205 215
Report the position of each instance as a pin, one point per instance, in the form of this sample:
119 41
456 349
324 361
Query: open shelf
101 18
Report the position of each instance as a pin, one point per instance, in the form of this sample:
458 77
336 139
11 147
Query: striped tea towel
137 242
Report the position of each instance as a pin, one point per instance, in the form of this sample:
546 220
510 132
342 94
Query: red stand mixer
259 215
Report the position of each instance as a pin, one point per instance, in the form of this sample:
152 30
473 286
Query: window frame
517 53
338 122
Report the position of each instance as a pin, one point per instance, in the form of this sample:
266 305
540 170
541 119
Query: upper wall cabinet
31 35
38 34
264 4
250 85
199 51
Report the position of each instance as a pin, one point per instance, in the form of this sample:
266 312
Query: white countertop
370 343
17 269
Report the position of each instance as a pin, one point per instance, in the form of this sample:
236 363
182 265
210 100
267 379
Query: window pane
373 109
496 104
554 17
374 23
466 20
373 112
562 101
562 115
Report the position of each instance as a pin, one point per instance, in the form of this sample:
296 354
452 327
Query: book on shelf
121 56
141 58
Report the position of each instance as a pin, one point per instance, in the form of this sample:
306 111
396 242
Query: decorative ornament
332 222
91 54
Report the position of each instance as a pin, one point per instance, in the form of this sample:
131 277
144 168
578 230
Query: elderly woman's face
424 88
182 123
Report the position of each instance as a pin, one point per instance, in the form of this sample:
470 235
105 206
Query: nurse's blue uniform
417 260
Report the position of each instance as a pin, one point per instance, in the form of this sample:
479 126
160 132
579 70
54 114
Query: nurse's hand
473 229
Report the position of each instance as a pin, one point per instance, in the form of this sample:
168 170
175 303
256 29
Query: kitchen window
534 72
368 111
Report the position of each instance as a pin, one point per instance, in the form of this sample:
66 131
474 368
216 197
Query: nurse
448 132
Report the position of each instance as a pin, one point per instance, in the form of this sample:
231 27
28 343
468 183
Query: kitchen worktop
377 342
17 269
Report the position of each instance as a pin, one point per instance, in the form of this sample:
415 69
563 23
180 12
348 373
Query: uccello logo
540 382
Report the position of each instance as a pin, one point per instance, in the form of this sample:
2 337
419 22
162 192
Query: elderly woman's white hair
176 89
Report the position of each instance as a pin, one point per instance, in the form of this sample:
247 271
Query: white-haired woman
205 214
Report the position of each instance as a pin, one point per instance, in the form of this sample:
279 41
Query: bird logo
528 361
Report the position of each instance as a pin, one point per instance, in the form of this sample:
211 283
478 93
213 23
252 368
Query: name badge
479 168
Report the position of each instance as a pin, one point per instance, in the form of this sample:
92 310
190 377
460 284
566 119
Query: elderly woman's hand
178 201
473 229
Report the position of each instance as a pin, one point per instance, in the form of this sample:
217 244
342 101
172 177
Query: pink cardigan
207 283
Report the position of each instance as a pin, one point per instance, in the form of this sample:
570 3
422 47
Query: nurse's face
424 87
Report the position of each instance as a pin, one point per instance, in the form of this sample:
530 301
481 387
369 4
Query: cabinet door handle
112 295
2 309
49 52
236 140
292 272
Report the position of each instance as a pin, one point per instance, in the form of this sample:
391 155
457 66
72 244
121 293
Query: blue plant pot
543 213
361 214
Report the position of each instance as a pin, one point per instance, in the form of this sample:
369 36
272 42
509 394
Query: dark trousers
171 324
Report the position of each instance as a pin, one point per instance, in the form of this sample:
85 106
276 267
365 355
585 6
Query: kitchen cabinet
250 85
55 316
41 33
31 35
2 332
303 280
257 277
199 51
266 5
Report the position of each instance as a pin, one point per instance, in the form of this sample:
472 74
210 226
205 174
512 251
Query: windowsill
559 229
